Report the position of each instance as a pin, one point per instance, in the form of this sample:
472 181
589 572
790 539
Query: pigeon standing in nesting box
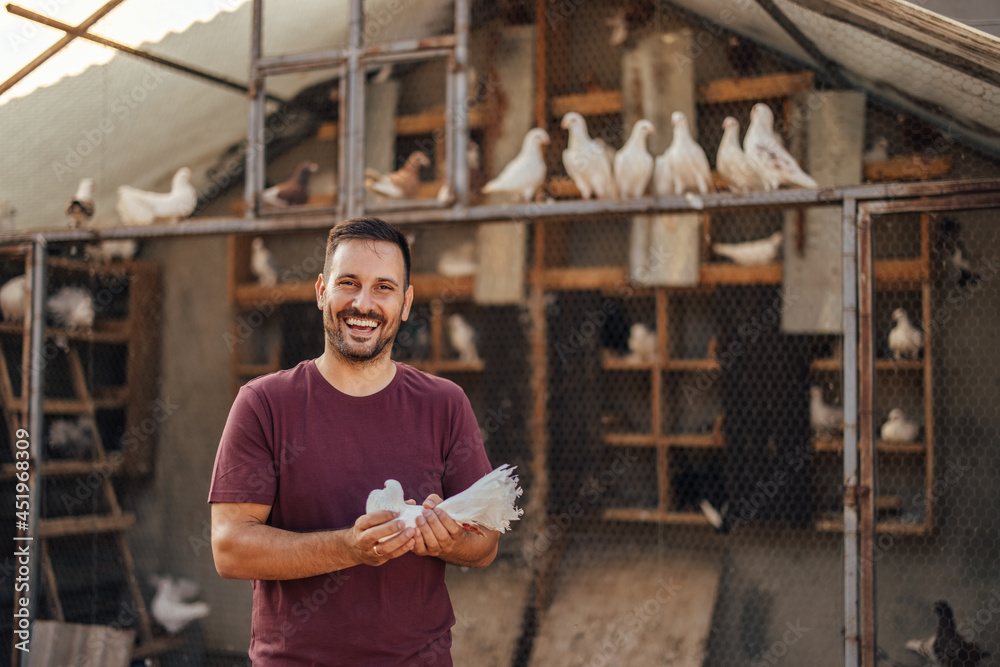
824 418
294 191
905 340
463 338
404 183
633 163
263 264
13 299
72 307
898 428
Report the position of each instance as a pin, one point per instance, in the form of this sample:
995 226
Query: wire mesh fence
670 385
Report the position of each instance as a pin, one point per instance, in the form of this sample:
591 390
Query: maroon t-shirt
313 453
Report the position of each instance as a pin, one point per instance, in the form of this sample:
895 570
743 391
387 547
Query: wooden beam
588 104
913 167
755 88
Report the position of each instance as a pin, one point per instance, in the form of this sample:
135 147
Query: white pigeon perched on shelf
642 342
13 299
491 502
463 338
633 163
732 163
586 160
688 168
879 152
824 418
767 155
263 265
139 207
172 605
905 340
751 253
526 172
72 308
898 428
81 207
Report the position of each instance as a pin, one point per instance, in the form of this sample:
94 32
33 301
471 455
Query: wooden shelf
837 445
911 167
588 104
835 365
908 272
694 440
720 273
425 288
81 525
656 516
831 522
66 468
755 88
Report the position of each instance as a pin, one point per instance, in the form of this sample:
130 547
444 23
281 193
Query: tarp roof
101 123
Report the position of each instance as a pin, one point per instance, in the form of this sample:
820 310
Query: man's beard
338 333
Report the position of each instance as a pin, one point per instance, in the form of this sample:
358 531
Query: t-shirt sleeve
466 460
244 464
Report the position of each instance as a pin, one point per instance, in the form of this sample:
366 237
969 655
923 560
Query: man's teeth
355 322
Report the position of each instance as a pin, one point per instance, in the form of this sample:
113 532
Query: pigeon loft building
753 408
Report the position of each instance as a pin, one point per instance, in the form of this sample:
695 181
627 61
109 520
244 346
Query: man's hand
370 528
437 533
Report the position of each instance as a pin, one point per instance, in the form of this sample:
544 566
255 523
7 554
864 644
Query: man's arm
441 536
245 547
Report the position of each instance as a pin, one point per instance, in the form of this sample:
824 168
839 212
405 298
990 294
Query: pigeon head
570 120
761 113
257 243
899 315
418 159
895 415
644 127
678 118
536 136
731 124
816 393
943 610
183 175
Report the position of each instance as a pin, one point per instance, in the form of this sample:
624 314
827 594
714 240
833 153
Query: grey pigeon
586 160
526 172
633 163
767 155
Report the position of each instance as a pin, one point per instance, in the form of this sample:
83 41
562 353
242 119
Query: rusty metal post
850 403
864 492
253 176
355 121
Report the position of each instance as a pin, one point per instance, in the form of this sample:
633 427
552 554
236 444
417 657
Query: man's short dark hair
366 229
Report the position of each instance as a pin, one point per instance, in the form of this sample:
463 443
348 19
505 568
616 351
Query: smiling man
301 450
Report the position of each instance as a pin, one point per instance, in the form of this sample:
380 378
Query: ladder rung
64 468
79 525
74 406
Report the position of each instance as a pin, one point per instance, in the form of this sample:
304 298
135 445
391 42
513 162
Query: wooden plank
143 363
755 88
719 273
588 104
502 251
928 361
830 522
677 593
906 271
56 643
428 286
912 167
837 445
707 440
428 122
655 516
81 525
251 295
591 278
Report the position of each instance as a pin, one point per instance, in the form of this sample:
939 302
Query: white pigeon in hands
732 162
586 160
905 340
686 162
489 503
898 428
751 253
767 155
139 207
526 172
633 163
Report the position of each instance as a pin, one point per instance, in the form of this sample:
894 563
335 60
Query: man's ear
407 302
320 291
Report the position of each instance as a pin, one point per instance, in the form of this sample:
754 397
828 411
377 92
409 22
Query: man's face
363 299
